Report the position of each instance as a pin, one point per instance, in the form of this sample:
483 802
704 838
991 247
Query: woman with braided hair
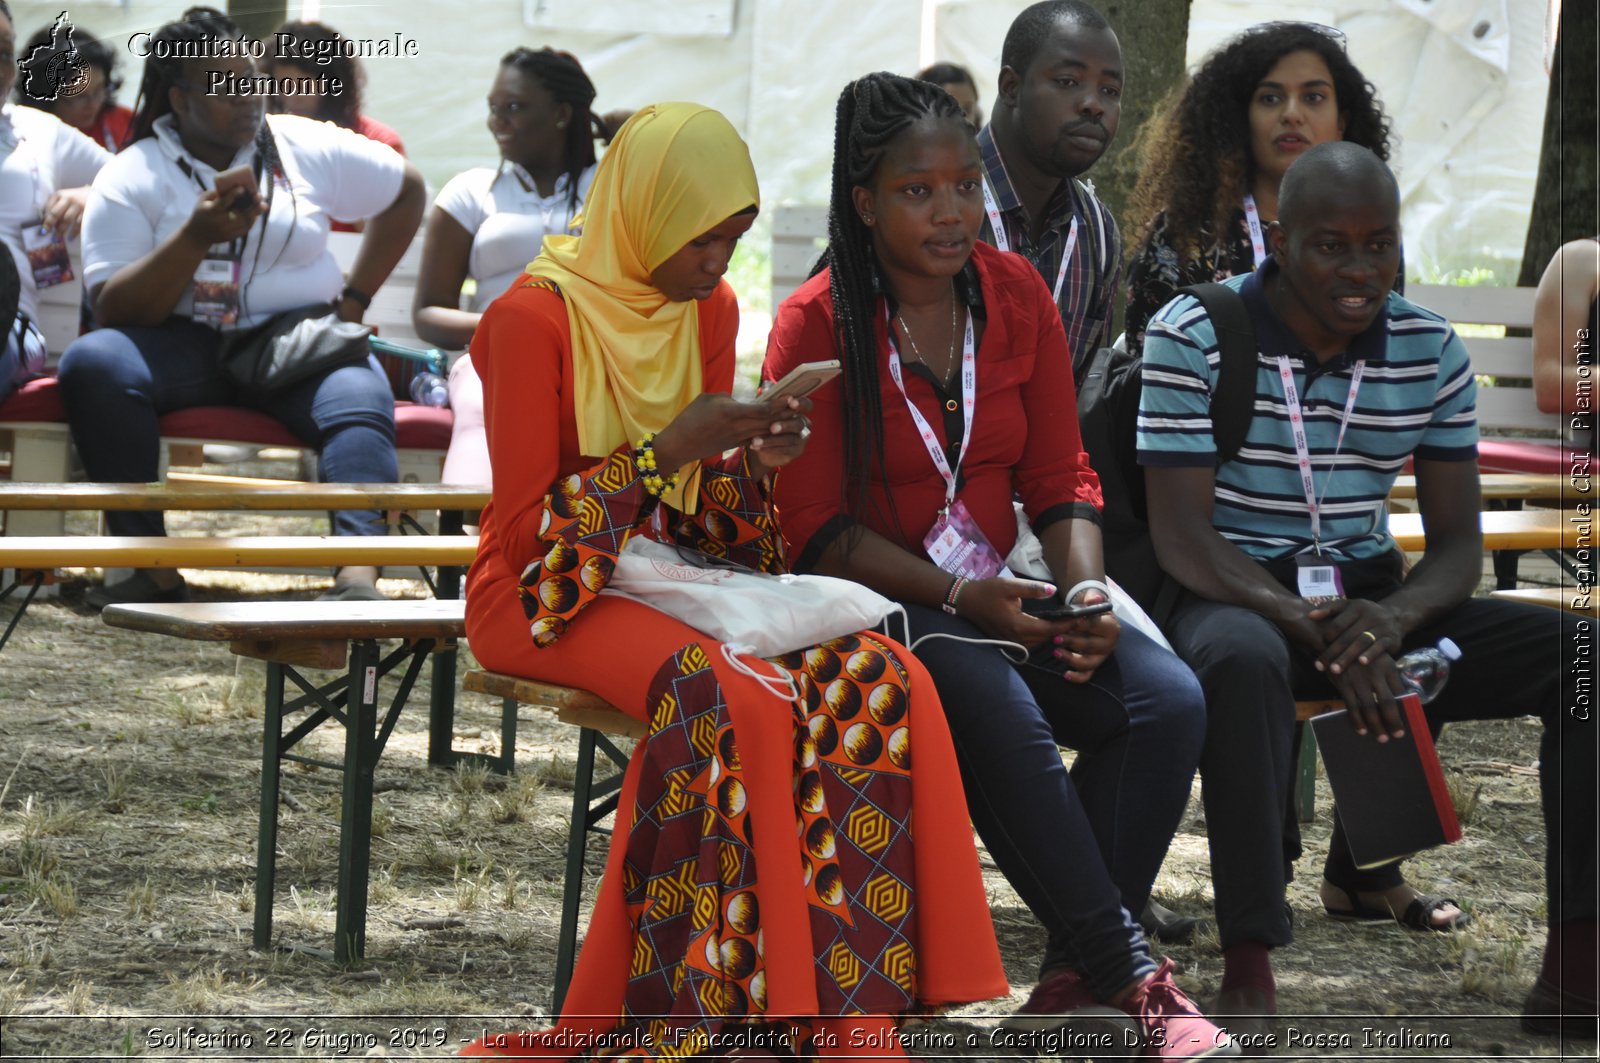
956 396
487 224
1211 160
766 895
173 263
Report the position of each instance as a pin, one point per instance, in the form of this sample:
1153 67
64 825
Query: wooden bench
1568 599
1524 486
324 635
35 558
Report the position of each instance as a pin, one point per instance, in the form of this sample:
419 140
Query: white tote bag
761 614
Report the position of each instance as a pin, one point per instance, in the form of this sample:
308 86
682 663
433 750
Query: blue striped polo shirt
1417 396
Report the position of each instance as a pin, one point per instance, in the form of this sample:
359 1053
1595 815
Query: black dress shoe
138 587
1164 925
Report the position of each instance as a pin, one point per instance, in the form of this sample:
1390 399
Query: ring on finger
1371 636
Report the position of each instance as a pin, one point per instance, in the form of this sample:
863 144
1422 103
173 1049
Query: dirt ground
129 773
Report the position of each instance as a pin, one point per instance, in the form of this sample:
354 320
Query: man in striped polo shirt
1351 381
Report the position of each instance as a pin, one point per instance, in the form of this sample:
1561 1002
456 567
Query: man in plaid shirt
1059 101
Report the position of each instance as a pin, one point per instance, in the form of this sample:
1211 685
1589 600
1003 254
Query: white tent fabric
1464 81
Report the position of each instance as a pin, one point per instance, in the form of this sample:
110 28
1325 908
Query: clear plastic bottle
429 389
1426 670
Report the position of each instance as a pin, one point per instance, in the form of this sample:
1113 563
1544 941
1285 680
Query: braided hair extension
171 47
1195 161
872 112
165 67
563 77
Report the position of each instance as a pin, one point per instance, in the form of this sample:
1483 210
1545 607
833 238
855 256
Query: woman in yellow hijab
763 890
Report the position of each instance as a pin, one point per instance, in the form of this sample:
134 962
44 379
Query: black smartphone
1053 608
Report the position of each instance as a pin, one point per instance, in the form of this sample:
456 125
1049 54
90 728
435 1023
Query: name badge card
216 291
1318 579
956 544
47 256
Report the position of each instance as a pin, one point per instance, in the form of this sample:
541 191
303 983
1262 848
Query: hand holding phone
1053 608
237 188
800 381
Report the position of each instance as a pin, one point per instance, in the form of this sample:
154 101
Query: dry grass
127 855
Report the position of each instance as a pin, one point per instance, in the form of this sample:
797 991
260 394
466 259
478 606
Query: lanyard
1302 451
1252 217
992 207
969 402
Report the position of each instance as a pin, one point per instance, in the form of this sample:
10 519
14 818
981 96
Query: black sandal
1417 916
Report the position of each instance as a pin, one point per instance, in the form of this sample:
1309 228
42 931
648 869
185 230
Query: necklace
950 355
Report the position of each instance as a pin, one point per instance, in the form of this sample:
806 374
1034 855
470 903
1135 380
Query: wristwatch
357 296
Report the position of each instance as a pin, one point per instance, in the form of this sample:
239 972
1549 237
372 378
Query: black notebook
1391 796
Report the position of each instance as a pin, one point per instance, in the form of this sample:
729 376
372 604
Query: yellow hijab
674 171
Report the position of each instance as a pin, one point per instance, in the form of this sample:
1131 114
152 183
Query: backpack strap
1233 403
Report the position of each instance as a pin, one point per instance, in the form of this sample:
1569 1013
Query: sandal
1417 916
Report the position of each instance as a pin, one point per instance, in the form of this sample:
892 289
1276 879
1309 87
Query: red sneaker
1061 1017
1173 1027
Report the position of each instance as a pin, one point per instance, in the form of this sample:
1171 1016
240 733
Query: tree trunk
1564 195
1154 35
258 18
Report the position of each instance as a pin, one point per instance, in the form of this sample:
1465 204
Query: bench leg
267 829
355 829
33 584
577 845
508 735
1305 786
442 702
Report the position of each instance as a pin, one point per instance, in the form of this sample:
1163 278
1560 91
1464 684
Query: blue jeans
117 382
1082 851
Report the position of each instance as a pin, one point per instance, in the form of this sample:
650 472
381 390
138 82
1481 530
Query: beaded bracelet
644 460
952 594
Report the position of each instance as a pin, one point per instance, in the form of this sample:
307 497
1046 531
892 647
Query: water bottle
1425 670
429 389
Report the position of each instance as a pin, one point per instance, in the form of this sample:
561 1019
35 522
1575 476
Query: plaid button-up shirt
1089 290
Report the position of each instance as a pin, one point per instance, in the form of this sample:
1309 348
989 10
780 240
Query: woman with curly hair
1211 161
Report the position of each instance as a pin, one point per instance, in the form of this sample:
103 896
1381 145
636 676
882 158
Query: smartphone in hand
237 187
800 381
1053 608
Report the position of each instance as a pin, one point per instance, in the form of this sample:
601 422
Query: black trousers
1516 661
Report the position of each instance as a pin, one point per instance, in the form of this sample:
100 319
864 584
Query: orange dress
763 878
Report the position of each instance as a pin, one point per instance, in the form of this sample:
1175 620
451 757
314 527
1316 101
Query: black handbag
290 347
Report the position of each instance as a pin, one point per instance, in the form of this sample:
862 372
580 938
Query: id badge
956 544
1317 578
216 291
47 256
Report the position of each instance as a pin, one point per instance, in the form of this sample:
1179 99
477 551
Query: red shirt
1025 441
110 127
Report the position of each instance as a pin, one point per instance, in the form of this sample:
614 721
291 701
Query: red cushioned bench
35 422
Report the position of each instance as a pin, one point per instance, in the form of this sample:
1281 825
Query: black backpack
1108 416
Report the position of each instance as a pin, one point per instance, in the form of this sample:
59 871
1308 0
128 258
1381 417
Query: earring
866 218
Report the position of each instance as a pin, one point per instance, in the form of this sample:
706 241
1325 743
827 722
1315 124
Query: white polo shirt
143 196
39 155
508 220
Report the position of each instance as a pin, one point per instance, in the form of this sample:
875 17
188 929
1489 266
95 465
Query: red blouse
1025 441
